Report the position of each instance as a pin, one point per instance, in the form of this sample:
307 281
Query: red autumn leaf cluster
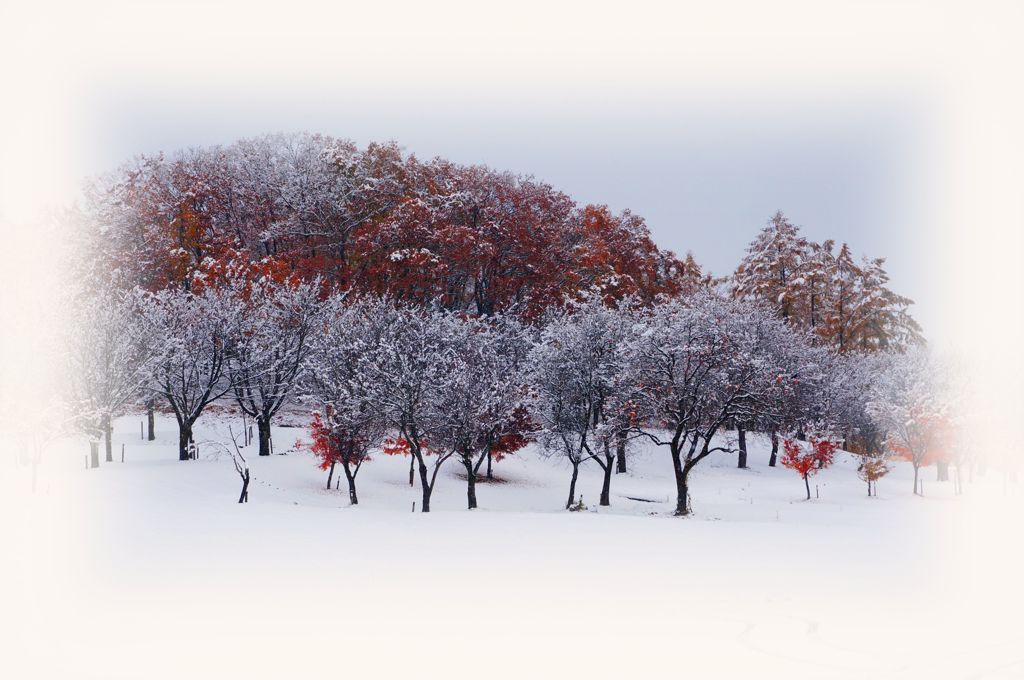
399 446
373 220
332 445
808 460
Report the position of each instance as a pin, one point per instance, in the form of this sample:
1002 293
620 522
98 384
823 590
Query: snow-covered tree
191 334
807 458
844 316
508 424
852 377
907 401
803 397
340 385
871 469
475 407
842 303
312 192
580 393
270 344
771 270
414 366
109 355
884 319
700 364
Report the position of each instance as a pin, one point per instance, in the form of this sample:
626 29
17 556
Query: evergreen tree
770 271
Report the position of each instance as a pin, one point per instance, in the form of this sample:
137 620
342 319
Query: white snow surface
150 569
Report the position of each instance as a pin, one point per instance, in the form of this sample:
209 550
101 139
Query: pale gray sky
892 124
705 169
864 123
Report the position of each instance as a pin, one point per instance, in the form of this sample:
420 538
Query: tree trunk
775 449
108 432
150 421
807 484
94 453
330 475
351 478
425 484
484 456
942 470
915 480
682 492
620 452
244 496
572 485
412 473
470 482
184 439
263 427
606 486
742 459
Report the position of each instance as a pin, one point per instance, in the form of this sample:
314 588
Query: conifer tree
771 268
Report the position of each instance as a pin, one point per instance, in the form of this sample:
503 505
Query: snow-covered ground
150 569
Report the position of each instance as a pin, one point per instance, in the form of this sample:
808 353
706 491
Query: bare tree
241 467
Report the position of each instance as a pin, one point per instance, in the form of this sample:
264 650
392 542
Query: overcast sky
704 168
704 171
704 120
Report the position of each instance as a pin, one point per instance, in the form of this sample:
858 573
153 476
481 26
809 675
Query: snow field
150 569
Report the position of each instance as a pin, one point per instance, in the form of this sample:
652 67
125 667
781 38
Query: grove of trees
442 311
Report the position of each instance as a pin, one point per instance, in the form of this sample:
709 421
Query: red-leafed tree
928 444
505 439
808 458
908 401
371 220
616 258
871 469
333 445
341 389
400 446
470 238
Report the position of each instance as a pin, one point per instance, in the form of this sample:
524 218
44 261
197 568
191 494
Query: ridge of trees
370 220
